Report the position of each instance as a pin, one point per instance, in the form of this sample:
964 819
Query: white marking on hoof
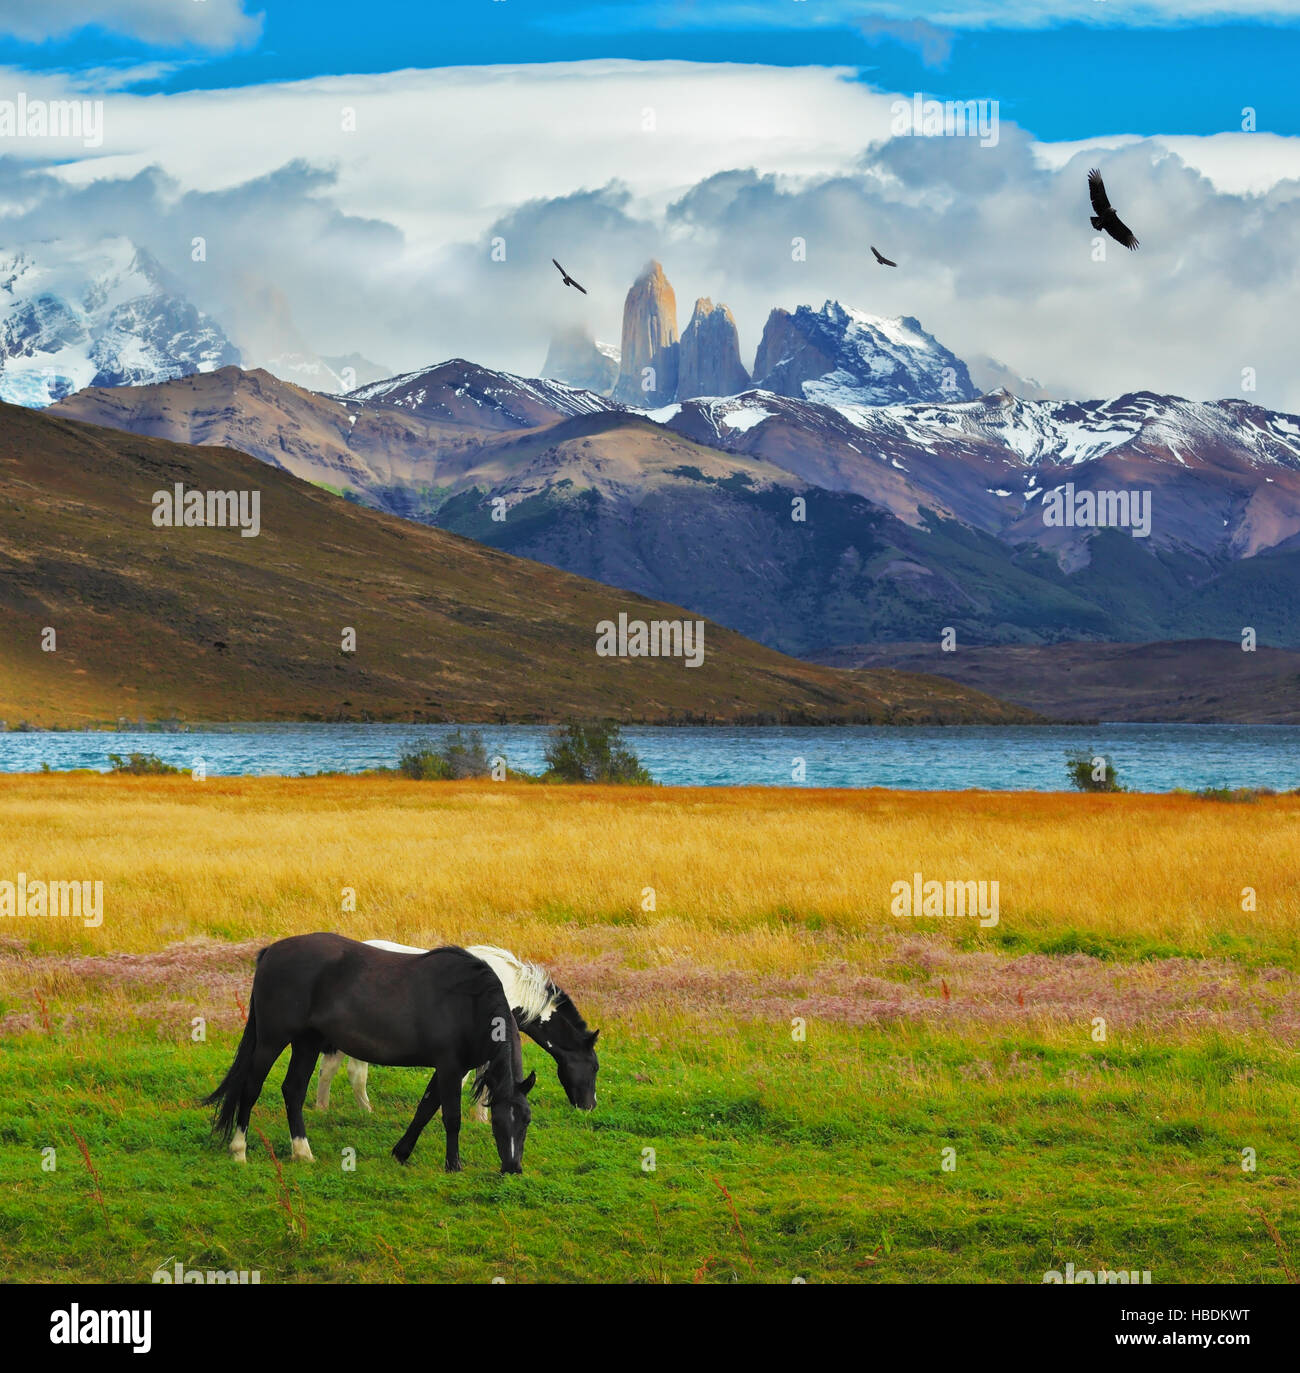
482 1114
239 1147
302 1150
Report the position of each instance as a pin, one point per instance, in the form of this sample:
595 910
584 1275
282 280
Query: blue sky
1060 81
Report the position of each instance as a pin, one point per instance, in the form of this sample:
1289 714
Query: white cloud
955 14
378 240
440 153
211 24
1235 163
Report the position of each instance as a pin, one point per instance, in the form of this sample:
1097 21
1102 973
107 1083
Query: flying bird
568 280
881 258
1106 218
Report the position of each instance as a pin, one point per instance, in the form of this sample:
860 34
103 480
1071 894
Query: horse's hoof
455 1166
302 1151
399 1156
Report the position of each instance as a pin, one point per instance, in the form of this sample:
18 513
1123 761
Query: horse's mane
529 988
569 1013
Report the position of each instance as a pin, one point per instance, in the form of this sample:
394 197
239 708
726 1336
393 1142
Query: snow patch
747 417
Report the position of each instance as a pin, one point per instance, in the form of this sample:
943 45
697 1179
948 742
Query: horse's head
565 1036
577 1070
510 1120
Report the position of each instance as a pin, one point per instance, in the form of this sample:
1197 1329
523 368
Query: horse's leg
329 1065
450 1091
424 1113
301 1062
263 1061
357 1073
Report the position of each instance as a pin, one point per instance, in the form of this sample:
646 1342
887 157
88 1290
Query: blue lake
1146 757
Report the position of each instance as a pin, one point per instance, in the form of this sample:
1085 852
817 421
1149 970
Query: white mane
528 986
529 989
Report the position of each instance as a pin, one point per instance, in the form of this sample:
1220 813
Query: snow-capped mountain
98 314
834 356
1226 474
466 393
1066 433
917 515
840 356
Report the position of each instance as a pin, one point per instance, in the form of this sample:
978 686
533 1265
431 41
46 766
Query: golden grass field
750 885
734 869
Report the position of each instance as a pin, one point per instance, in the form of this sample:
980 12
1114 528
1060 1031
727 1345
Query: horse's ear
528 1084
591 1038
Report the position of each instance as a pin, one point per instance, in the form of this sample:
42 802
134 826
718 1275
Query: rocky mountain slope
202 622
1201 681
915 518
709 356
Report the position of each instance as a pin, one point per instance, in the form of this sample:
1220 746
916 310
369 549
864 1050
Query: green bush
1237 794
1080 767
142 765
592 753
458 756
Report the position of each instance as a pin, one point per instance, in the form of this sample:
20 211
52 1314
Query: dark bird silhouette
568 280
1105 217
881 258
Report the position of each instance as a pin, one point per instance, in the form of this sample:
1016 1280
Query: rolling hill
917 516
203 623
1191 681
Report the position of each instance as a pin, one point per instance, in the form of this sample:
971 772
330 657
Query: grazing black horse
542 1011
444 1009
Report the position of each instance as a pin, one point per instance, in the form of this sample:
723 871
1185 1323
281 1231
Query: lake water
1146 757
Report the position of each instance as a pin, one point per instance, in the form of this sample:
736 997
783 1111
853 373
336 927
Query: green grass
1120 1155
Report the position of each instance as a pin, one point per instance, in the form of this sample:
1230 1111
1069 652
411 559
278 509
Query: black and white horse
444 1010
542 1011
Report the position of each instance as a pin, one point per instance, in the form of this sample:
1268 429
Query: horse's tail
226 1097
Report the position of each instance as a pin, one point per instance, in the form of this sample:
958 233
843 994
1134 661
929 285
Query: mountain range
915 518
855 492
334 611
835 355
